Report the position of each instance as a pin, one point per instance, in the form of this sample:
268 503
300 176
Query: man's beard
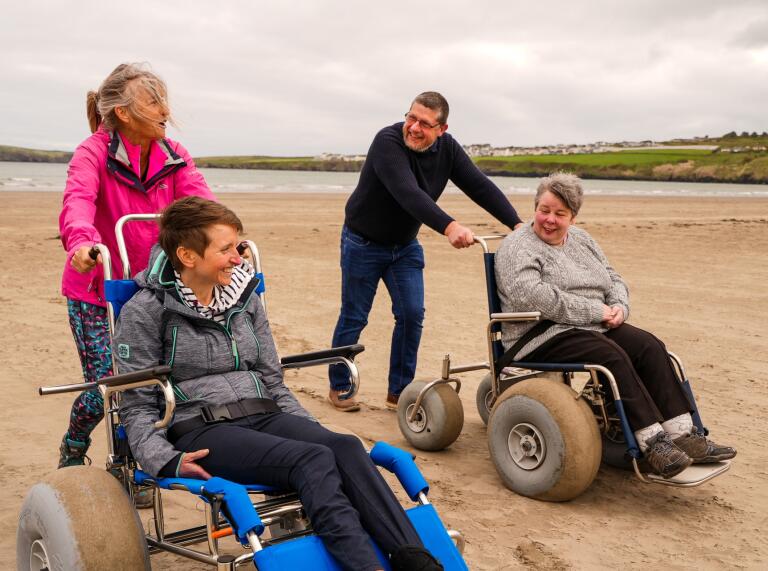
416 149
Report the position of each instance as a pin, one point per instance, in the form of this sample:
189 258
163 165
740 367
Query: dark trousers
649 388
363 265
341 489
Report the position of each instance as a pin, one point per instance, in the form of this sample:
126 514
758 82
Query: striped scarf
224 297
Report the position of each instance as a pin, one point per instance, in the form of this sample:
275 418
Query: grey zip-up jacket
212 363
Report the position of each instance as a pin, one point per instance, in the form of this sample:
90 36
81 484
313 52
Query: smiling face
215 266
552 219
422 128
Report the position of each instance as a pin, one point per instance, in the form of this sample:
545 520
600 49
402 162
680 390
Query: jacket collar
161 279
119 163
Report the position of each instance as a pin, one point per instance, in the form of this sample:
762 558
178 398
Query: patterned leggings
90 327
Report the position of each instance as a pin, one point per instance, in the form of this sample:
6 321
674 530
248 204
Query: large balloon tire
80 518
562 435
483 398
439 420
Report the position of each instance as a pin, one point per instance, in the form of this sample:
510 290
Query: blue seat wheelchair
82 517
549 425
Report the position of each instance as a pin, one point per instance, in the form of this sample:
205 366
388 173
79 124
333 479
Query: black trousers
638 360
341 489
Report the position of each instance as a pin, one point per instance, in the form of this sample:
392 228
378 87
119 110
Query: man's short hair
433 100
184 222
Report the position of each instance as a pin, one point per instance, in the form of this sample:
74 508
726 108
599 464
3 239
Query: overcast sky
304 77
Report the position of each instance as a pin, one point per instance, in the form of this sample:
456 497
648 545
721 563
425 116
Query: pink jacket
103 184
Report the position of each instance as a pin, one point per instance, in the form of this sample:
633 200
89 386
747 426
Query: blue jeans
363 264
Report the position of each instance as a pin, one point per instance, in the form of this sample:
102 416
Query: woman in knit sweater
555 268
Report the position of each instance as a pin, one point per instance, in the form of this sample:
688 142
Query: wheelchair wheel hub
38 557
526 446
419 422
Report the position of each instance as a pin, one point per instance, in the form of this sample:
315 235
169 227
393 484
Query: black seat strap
509 355
215 414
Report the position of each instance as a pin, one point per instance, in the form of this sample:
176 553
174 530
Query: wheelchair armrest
346 352
135 376
517 316
114 381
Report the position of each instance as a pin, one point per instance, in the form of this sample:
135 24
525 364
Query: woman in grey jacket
553 267
197 312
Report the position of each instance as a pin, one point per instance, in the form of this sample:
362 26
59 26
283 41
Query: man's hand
459 236
82 261
190 469
613 316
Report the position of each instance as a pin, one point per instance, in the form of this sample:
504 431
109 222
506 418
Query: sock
681 425
647 433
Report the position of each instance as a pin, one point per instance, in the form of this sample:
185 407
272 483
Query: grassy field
279 163
652 164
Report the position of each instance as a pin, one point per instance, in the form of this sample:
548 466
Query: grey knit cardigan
568 284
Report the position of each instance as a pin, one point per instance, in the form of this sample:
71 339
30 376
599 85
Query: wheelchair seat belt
215 414
509 355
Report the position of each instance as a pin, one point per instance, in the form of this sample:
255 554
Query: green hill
748 166
738 158
23 155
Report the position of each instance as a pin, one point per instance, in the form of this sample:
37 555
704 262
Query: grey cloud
303 77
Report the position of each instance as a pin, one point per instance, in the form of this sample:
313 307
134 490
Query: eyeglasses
410 119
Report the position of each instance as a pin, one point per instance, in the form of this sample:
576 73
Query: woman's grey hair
566 186
119 89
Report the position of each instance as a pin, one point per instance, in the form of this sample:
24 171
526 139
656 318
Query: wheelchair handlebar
483 240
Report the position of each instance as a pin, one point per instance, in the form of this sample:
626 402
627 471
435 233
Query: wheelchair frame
592 391
280 512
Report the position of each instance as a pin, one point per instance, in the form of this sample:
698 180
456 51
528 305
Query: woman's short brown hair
184 222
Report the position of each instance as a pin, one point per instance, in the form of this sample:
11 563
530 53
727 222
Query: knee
410 314
648 345
346 444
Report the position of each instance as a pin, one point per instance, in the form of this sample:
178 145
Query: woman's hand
191 469
82 260
613 316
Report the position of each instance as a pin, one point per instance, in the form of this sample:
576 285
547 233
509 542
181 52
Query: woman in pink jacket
126 166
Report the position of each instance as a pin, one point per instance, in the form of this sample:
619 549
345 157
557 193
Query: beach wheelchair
83 518
549 425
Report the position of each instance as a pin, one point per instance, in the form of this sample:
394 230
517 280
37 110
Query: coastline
695 267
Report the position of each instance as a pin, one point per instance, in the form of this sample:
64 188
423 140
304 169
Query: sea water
51 177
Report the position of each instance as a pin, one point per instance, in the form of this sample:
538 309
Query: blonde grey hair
119 89
565 186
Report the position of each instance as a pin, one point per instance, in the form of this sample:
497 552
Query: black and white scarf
223 298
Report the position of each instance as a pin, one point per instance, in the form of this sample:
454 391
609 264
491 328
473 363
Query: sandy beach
697 270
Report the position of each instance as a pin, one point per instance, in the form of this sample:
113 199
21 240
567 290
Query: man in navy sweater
405 172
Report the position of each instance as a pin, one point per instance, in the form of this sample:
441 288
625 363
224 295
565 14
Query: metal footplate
692 476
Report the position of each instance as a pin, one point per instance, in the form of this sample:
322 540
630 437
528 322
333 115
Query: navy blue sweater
398 188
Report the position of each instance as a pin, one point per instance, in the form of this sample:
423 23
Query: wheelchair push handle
483 241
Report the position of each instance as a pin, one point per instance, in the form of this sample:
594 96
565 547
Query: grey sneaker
664 458
701 450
